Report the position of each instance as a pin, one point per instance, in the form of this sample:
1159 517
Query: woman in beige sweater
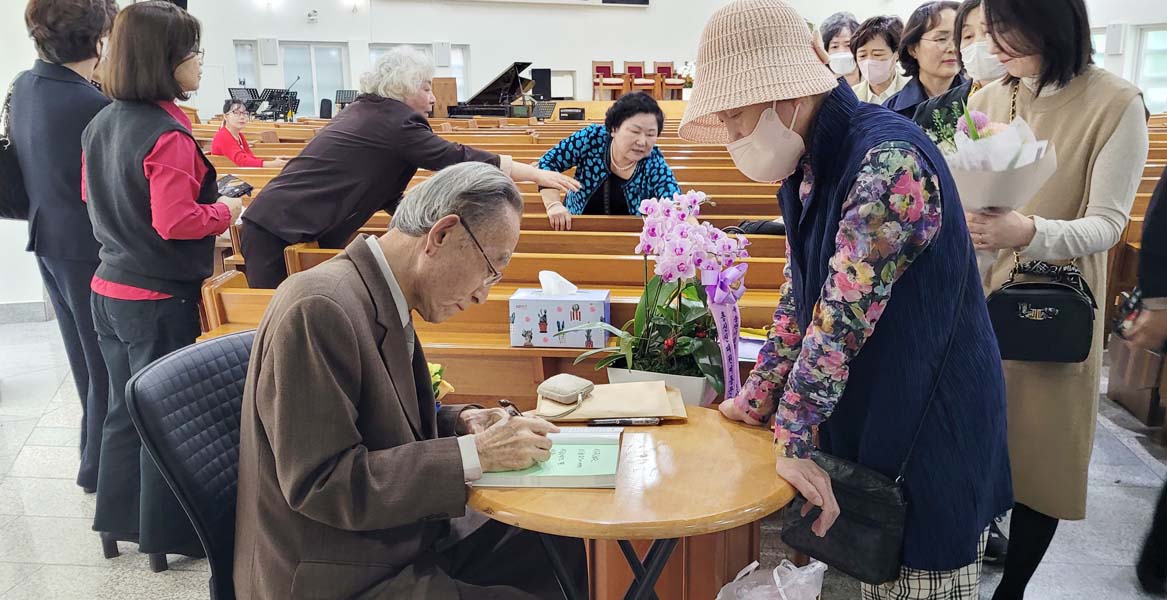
1097 122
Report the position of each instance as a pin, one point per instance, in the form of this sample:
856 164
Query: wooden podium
445 96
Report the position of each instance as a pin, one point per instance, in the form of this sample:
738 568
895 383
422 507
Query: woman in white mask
874 46
869 206
978 61
837 30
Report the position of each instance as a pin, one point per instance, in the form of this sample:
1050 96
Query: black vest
116 143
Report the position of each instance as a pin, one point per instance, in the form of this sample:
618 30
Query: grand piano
497 98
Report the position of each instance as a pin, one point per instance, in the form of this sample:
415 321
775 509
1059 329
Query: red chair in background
603 79
639 81
672 87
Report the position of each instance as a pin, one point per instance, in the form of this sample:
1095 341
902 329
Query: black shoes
998 547
1152 574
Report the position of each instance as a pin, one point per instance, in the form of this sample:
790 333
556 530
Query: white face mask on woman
981 63
842 63
769 154
876 72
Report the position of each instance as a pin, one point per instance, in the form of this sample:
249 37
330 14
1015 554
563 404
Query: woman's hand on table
815 485
1009 230
559 217
729 409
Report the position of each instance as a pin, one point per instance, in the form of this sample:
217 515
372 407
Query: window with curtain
1098 38
321 69
1152 71
247 64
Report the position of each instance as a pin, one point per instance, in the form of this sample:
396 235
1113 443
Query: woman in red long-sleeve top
230 142
156 211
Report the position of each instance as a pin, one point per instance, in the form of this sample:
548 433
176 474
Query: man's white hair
398 74
476 192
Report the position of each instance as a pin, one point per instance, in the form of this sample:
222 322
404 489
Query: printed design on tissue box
546 320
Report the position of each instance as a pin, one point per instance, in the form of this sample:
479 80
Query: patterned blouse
889 218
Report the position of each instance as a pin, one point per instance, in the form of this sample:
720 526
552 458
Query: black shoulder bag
1046 317
13 197
867 540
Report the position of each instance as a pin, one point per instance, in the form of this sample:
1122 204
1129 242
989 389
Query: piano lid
506 88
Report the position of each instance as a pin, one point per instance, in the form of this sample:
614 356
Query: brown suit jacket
348 475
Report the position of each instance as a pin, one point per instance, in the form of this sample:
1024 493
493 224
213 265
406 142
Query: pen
628 421
510 407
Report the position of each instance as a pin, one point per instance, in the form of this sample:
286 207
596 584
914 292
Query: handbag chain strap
1013 102
943 364
1069 274
5 114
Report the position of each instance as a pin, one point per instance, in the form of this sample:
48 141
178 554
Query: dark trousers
1154 555
263 256
133 501
67 282
495 562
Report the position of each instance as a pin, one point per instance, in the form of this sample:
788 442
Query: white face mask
842 63
876 72
769 154
981 64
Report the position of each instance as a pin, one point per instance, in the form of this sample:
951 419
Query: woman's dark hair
966 7
630 105
232 103
149 41
67 31
888 26
923 19
835 24
1056 30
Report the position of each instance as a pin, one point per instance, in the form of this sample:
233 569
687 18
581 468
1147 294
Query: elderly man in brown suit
352 483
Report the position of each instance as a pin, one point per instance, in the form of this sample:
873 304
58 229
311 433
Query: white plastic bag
786 582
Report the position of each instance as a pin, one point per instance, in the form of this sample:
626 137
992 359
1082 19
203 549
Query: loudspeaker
542 79
325 108
179 3
1115 39
441 54
571 114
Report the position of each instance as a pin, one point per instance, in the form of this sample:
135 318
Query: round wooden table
704 476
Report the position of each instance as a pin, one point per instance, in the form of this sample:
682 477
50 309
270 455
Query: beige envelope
616 400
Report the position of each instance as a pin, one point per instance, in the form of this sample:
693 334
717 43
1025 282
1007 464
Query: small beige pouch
565 389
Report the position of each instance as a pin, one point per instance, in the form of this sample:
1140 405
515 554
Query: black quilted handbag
1044 313
867 539
13 197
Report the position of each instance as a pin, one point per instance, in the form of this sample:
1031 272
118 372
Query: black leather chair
186 406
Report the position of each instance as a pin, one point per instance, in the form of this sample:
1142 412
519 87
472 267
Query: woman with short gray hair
360 164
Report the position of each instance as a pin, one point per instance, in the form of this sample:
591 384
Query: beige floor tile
14 573
94 583
68 437
45 498
46 462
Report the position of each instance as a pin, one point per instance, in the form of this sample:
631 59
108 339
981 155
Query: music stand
345 98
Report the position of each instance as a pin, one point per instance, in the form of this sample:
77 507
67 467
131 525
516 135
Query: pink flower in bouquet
993 129
980 119
650 207
682 246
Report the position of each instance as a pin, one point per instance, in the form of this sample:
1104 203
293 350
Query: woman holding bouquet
847 355
1098 125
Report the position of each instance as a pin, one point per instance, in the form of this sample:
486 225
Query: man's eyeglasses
495 276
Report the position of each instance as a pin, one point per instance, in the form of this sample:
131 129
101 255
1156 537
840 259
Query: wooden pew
593 270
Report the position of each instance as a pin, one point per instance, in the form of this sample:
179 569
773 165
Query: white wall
550 36
19 279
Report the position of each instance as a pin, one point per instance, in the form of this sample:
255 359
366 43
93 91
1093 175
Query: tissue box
536 317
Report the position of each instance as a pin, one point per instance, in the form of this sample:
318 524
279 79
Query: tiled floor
47 550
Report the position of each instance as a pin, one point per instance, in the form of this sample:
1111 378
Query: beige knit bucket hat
751 51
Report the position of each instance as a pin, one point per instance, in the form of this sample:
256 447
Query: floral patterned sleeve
889 218
758 395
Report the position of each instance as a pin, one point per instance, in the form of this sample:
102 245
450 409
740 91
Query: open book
581 457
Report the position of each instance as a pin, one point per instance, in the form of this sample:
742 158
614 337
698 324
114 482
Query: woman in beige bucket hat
869 205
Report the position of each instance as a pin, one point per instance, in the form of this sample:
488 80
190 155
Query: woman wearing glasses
230 142
156 211
928 55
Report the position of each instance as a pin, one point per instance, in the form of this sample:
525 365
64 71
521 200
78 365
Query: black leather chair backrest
186 406
325 108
